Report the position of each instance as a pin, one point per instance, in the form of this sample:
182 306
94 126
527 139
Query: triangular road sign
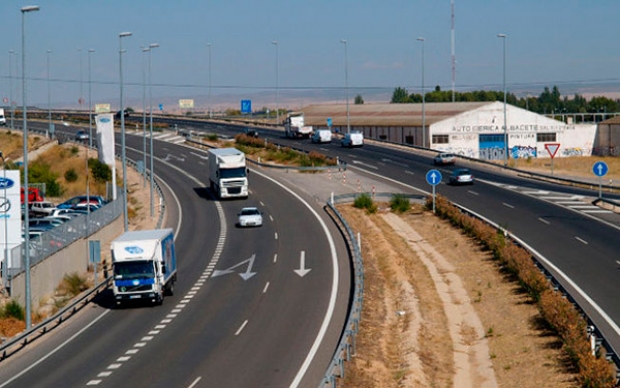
552 149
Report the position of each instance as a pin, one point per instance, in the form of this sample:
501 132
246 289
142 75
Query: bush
100 171
13 310
74 284
75 150
399 203
364 201
71 175
212 137
555 309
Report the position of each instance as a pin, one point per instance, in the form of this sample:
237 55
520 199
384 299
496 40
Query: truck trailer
294 126
228 174
144 265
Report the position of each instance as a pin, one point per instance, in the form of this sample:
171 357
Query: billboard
105 138
10 215
186 104
102 108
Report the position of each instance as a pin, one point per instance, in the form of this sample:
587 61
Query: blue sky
551 42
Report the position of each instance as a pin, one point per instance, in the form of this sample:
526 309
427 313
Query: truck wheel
171 289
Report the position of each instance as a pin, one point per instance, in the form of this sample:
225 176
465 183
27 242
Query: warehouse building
472 129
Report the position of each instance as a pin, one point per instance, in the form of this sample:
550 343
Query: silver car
444 159
461 176
250 216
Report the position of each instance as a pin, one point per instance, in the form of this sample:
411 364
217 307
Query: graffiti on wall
492 153
576 151
524 152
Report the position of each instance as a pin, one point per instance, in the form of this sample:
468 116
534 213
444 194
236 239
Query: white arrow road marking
170 156
245 275
302 271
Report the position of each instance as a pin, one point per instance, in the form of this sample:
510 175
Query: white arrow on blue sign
600 168
433 177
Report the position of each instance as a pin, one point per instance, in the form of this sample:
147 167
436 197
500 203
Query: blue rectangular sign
246 106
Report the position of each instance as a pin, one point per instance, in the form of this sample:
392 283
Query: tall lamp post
90 104
123 157
423 98
144 51
503 37
5 265
151 47
24 10
11 53
346 81
49 98
81 97
275 42
209 46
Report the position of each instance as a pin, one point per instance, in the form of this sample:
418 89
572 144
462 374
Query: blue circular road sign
600 168
433 177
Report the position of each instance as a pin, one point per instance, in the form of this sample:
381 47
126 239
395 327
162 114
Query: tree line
548 102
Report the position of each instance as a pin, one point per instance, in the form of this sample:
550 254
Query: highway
236 332
270 327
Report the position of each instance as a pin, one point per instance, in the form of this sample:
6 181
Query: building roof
612 121
385 115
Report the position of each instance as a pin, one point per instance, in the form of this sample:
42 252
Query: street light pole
144 50
423 98
346 81
123 157
90 104
151 47
5 266
49 99
503 37
81 97
11 52
209 46
25 10
275 42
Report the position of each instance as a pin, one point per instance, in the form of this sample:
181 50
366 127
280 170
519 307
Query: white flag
105 138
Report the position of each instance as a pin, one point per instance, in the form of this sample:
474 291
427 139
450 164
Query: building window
491 138
545 137
441 139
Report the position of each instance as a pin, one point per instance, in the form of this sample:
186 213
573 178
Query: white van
353 139
2 118
322 136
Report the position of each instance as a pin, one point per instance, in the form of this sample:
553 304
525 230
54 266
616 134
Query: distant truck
144 265
2 118
228 174
294 126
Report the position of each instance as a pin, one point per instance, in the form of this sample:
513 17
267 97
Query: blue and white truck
144 265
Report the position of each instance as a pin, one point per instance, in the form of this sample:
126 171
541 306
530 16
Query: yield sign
552 149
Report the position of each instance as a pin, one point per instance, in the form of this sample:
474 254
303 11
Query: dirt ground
438 312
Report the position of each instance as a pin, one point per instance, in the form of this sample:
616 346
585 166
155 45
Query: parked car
461 176
82 135
67 212
353 139
44 222
43 208
250 216
444 159
81 199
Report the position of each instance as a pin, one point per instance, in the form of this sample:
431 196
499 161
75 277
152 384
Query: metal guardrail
598 342
20 341
341 166
17 343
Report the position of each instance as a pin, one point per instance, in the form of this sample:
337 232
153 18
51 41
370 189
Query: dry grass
522 351
574 166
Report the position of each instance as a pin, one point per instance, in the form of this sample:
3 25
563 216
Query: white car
322 136
250 216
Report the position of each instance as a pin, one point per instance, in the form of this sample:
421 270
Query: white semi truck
228 174
144 265
294 126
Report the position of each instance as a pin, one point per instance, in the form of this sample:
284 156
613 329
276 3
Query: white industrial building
473 129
